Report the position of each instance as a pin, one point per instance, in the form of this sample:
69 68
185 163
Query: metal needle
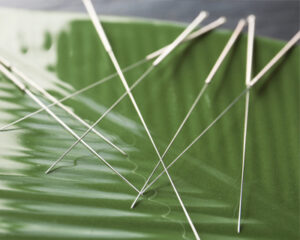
54 100
269 65
206 28
98 120
82 90
251 29
151 56
210 76
23 88
108 48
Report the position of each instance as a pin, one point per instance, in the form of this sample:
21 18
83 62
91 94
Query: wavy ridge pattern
82 199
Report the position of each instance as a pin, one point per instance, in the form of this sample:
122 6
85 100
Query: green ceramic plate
82 198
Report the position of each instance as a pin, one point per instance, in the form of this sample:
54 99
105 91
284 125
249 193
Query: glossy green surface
83 199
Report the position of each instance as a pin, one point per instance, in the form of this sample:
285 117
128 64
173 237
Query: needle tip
135 201
132 205
238 230
124 153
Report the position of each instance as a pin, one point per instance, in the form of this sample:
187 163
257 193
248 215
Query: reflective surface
82 198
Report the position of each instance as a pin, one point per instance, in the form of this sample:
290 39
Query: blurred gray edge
279 19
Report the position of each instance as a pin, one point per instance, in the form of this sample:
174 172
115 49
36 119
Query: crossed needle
92 13
251 29
254 80
208 80
149 57
11 73
24 89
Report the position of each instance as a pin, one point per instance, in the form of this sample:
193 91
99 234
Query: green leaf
82 198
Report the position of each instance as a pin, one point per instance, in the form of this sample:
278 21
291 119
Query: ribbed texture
83 199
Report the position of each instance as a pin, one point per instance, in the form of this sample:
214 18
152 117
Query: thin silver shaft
54 100
99 82
243 160
208 80
20 85
100 118
108 48
250 43
206 28
199 136
269 65
171 142
193 35
187 116
112 107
